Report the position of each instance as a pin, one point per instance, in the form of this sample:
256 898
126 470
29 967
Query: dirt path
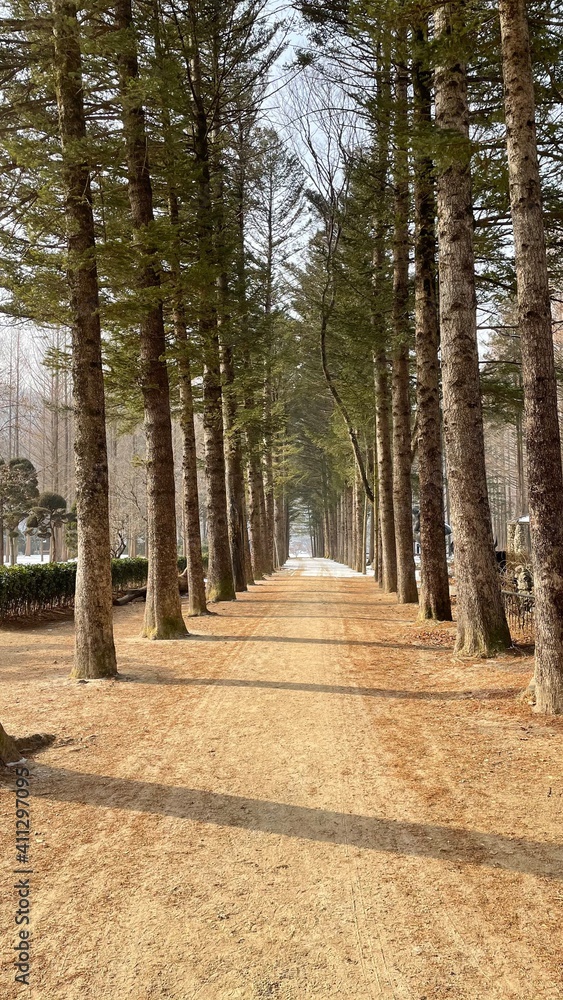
307 799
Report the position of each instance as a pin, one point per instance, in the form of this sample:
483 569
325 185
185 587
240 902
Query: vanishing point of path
308 798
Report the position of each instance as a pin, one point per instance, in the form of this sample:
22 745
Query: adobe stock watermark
24 871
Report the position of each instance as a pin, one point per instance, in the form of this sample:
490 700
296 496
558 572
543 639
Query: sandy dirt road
308 798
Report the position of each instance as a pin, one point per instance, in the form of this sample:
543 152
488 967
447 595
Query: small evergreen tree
18 493
48 517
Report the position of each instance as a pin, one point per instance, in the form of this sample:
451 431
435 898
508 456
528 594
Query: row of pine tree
151 207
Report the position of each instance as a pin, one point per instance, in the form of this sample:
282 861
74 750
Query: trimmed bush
26 590
128 574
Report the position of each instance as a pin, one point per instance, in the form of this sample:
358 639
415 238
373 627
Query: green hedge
126 574
25 590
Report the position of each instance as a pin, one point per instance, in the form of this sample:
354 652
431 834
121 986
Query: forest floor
308 798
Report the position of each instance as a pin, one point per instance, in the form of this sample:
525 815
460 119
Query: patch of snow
321 567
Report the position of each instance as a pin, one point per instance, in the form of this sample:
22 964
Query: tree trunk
236 513
163 612
268 452
279 531
9 753
545 480
261 562
194 555
190 492
364 534
53 546
93 612
522 494
435 590
482 627
256 502
281 541
372 539
192 528
359 509
248 570
350 533
234 469
333 530
407 592
220 582
385 475
344 527
377 556
269 502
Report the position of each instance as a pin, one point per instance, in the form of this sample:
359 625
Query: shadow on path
372 833
303 641
484 694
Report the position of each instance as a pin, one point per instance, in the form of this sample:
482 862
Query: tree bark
388 549
220 582
194 556
93 612
407 592
256 500
261 561
281 541
234 465
359 514
9 753
279 531
268 391
269 492
197 603
163 612
385 475
350 533
435 590
482 627
545 479
234 468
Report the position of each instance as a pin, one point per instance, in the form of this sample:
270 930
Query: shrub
127 574
26 590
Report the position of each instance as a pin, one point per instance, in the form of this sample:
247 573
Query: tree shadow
481 694
371 833
200 637
316 618
307 600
